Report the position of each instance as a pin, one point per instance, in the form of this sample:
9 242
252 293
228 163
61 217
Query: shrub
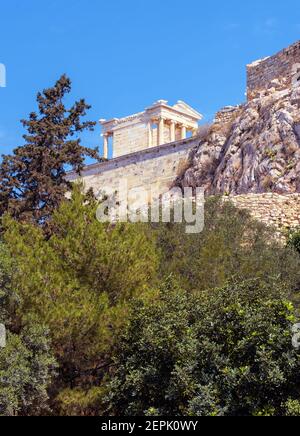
221 352
232 245
294 240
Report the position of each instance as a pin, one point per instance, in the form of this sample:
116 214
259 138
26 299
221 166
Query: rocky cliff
253 148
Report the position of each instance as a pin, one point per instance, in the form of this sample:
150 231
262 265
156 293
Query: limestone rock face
257 150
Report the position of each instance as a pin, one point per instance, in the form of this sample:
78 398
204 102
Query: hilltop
255 147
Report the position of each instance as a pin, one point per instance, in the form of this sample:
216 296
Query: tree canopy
79 283
224 352
33 180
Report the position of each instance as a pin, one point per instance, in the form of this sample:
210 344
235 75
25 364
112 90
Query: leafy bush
221 352
232 245
294 240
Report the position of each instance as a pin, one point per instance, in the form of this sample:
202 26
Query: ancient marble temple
159 124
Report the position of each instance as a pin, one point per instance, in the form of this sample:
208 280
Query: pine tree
33 179
78 282
27 364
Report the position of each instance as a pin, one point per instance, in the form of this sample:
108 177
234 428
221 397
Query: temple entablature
159 124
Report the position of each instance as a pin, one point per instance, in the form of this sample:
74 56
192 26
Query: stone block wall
277 72
157 166
134 138
130 139
279 211
227 114
160 166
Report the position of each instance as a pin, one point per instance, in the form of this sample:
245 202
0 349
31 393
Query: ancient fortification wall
161 165
227 114
157 166
279 211
277 72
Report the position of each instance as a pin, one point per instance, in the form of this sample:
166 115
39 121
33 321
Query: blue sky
124 55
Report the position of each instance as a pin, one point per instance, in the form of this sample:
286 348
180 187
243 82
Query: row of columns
161 131
161 123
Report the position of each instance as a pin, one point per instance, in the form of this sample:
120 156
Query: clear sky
124 55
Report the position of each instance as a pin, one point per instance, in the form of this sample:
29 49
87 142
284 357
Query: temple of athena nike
157 125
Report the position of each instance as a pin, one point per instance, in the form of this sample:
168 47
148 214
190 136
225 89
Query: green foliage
232 245
26 370
6 293
33 180
82 402
124 343
79 283
294 240
26 363
221 352
292 408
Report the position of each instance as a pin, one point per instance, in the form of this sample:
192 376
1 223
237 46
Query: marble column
183 132
150 135
105 145
173 131
161 131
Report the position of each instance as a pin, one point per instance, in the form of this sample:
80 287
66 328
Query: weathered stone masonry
274 73
158 166
280 211
161 165
226 115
